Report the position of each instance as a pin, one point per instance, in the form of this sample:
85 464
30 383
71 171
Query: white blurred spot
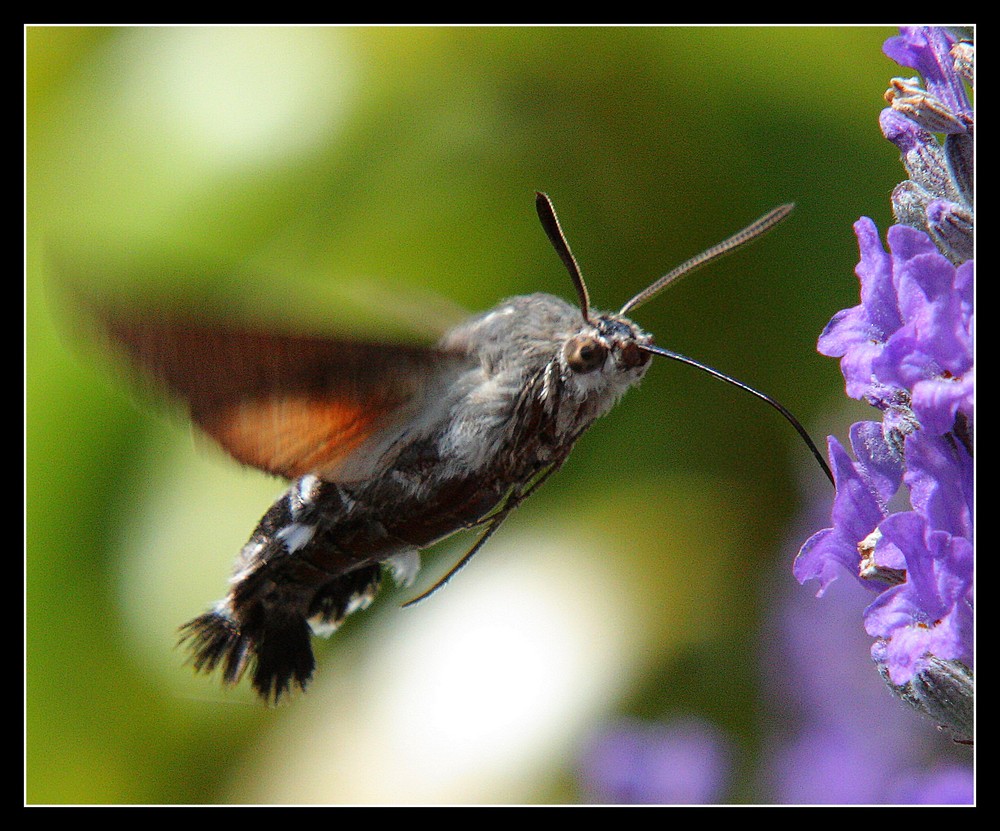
240 95
465 694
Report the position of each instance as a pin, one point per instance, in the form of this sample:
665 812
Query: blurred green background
343 178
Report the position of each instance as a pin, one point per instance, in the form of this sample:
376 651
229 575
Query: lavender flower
907 349
632 761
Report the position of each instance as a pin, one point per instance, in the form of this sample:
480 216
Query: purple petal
937 402
940 478
931 354
882 466
863 490
858 335
927 49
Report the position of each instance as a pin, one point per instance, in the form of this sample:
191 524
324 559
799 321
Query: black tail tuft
283 654
277 647
215 638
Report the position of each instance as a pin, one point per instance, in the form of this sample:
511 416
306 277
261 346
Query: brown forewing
289 404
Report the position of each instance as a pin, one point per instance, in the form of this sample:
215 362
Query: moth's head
605 353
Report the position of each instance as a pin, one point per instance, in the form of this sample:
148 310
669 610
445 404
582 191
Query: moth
389 448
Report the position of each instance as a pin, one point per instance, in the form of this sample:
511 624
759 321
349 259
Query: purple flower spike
908 350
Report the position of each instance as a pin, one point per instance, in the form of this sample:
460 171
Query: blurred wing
285 403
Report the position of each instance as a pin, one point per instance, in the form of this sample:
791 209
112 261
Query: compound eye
584 354
632 356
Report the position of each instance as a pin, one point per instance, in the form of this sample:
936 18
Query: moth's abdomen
318 554
291 581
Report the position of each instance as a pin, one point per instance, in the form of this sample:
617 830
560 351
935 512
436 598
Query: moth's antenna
547 214
765 223
676 356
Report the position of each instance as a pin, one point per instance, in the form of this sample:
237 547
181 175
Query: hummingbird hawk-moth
389 448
